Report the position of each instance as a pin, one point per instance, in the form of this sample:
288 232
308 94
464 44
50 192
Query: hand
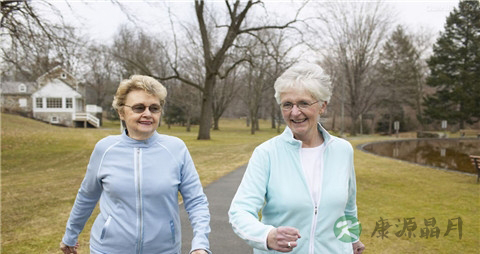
199 252
283 239
358 247
68 249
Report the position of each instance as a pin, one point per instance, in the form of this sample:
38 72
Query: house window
39 102
22 88
54 119
69 103
22 102
54 102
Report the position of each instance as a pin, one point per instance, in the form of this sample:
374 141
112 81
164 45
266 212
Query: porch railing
93 120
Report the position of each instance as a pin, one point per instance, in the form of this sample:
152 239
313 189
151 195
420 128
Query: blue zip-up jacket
137 183
275 183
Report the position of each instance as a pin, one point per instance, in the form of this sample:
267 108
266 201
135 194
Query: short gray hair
308 76
138 82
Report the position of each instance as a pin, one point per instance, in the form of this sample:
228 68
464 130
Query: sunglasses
140 108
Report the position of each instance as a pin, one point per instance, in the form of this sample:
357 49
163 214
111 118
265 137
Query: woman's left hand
199 252
358 247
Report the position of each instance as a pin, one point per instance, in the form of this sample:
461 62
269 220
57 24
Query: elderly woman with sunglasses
302 182
137 177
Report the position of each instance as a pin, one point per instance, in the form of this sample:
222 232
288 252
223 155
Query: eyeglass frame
304 106
145 107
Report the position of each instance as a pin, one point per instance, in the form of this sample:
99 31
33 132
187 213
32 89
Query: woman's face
302 122
141 125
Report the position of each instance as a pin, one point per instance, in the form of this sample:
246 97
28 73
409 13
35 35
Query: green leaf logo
347 229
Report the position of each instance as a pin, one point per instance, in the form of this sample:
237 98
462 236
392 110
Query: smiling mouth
299 121
146 123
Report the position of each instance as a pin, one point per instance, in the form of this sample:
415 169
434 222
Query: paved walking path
222 238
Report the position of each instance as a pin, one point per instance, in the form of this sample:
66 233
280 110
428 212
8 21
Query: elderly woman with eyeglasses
137 176
302 182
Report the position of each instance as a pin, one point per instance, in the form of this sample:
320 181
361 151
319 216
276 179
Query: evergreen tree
399 70
455 68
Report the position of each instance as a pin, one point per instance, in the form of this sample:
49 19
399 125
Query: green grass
43 166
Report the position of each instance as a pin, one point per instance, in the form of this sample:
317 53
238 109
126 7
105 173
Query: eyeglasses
287 106
140 108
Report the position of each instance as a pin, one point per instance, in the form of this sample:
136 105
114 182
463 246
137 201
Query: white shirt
312 159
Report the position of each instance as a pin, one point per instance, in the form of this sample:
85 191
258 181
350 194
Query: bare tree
215 53
139 52
101 74
352 33
223 95
31 44
182 104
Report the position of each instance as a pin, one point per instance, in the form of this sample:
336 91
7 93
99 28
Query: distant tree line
228 57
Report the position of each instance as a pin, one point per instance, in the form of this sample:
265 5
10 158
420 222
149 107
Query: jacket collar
140 143
287 136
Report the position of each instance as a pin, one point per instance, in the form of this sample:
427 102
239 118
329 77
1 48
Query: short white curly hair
305 76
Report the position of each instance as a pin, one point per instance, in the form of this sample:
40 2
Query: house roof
56 87
12 87
57 72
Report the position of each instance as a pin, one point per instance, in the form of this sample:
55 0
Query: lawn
43 166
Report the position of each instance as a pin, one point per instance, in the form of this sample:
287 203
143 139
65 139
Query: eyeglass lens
139 108
300 105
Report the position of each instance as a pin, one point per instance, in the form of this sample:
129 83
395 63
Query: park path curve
222 238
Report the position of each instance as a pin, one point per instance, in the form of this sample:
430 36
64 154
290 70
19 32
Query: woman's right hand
283 239
68 249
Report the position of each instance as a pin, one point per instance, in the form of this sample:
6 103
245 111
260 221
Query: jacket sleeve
87 197
351 207
249 199
196 203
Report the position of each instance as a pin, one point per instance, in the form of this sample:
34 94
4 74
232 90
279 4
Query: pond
441 153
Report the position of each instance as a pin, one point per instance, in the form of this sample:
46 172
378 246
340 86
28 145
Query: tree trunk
189 123
333 120
216 119
272 114
253 121
390 124
206 111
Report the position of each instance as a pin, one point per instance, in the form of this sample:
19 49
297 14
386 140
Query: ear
120 114
323 107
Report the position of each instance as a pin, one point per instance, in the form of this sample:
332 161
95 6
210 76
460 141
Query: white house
59 99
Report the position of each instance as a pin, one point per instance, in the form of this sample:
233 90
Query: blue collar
140 143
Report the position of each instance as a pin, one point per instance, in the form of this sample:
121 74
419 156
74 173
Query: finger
290 231
284 249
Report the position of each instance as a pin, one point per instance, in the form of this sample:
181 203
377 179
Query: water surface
441 153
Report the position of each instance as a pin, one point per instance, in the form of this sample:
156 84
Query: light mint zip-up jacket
137 183
274 183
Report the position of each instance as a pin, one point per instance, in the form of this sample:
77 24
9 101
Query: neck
312 141
139 137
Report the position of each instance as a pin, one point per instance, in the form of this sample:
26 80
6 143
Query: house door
79 105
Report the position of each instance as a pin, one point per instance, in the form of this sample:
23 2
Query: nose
296 110
147 112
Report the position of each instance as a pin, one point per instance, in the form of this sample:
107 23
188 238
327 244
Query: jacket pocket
172 230
105 227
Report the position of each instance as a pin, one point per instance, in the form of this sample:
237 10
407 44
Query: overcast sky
101 19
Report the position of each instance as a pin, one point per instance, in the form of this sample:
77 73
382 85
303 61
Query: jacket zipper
139 203
315 210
